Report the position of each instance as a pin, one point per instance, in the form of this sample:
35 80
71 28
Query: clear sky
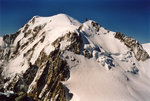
131 17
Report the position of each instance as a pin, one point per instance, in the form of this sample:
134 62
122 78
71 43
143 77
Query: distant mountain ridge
49 57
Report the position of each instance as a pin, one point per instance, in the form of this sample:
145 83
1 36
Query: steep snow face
145 66
103 38
146 47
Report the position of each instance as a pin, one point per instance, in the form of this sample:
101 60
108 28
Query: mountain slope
113 73
147 47
59 59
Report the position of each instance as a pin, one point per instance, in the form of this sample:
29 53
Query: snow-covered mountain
58 58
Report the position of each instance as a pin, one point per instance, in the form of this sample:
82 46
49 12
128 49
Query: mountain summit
58 58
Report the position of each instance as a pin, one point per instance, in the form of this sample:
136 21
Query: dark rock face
7 96
14 97
9 38
48 84
7 48
95 25
76 43
5 52
136 48
87 54
28 78
75 40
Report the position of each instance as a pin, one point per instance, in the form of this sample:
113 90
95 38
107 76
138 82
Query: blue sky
131 17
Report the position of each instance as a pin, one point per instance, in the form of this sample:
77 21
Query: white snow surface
146 46
112 74
91 81
1 42
104 39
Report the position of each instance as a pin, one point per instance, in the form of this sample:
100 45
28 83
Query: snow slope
146 47
89 81
103 38
113 74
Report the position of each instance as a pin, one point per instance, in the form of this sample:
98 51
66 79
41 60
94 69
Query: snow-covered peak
102 64
59 20
102 37
94 27
37 35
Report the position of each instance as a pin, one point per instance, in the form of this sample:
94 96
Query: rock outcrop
134 46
